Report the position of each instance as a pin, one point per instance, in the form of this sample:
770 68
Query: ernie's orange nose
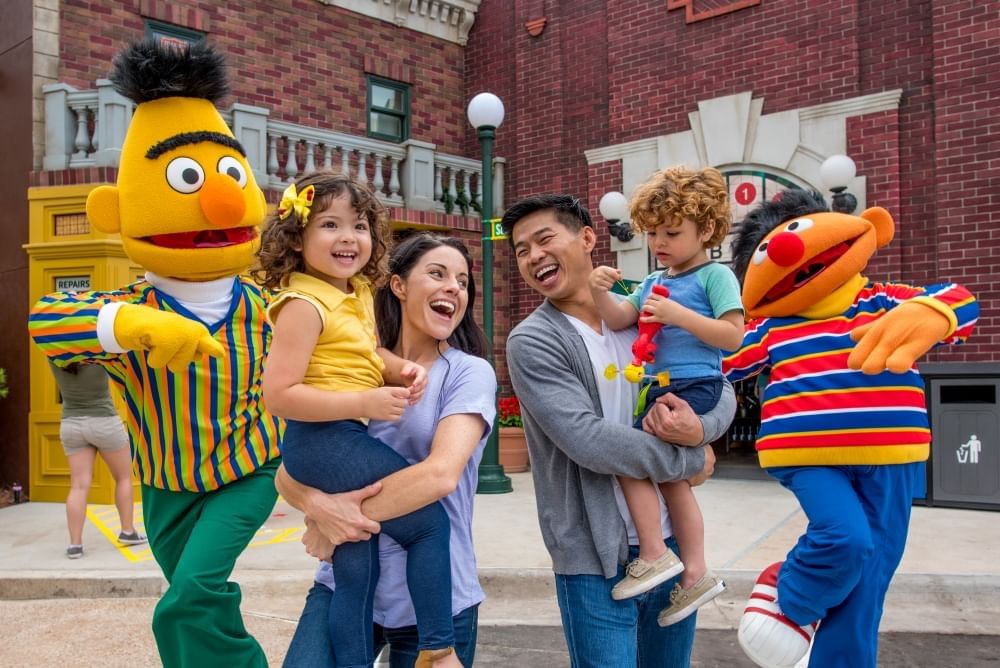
785 249
222 201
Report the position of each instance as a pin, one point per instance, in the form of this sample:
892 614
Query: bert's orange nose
222 201
785 249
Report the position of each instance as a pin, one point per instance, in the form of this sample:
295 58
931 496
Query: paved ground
96 611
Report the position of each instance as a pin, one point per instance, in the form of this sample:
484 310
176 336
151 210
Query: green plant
461 200
510 412
3 384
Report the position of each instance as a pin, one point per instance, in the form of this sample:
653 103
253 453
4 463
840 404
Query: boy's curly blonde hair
277 257
676 193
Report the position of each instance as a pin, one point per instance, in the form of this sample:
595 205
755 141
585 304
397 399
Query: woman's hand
317 545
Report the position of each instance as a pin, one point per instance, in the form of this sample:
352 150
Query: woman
90 425
424 315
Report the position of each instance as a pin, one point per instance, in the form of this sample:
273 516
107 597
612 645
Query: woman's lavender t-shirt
457 383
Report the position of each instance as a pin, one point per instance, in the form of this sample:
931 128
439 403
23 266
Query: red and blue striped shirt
817 411
193 431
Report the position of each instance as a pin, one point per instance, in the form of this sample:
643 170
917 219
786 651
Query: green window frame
172 33
388 112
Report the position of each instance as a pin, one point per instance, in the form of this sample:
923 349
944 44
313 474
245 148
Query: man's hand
172 340
672 420
317 545
339 516
706 472
415 377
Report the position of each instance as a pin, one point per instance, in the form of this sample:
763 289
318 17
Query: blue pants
702 394
312 648
839 571
604 633
338 457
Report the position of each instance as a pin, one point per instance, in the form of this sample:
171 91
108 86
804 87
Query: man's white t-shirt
617 396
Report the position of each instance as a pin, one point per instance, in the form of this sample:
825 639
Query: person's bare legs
120 464
689 529
81 473
644 507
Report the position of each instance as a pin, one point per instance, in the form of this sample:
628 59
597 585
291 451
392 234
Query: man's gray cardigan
575 451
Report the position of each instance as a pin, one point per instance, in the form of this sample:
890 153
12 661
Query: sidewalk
948 582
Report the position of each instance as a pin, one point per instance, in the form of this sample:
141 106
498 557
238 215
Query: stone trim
449 20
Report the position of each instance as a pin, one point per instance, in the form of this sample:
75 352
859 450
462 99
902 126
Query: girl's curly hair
676 193
277 257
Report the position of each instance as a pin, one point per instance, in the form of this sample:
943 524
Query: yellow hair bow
299 202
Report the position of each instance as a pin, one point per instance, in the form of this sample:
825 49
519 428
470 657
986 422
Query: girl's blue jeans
839 571
338 457
312 647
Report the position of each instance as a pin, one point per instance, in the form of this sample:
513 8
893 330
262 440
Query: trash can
964 467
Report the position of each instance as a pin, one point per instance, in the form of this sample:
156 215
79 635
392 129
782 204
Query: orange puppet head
793 253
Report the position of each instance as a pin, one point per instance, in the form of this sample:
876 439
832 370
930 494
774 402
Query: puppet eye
800 225
230 166
760 254
185 175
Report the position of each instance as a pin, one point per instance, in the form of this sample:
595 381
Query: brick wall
603 73
303 60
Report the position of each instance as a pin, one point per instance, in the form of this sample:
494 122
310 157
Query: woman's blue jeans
339 457
312 648
604 633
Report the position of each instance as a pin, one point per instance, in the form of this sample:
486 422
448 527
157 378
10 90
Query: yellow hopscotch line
105 518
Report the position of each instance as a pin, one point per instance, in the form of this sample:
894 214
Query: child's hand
663 310
387 403
603 278
416 377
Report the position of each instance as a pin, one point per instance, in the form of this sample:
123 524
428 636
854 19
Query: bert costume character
843 422
185 345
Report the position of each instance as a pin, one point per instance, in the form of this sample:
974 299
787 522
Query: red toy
643 349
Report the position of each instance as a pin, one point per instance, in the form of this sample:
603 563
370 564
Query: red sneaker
767 636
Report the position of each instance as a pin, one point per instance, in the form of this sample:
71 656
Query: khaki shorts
102 433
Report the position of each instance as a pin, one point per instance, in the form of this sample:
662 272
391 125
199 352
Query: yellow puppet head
186 202
792 254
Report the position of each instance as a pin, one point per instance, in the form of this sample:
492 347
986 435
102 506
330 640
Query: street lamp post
836 173
486 114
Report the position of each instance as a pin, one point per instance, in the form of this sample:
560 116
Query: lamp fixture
836 173
614 208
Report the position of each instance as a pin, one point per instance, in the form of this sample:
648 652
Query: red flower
510 412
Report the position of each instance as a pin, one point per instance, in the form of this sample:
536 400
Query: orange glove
899 338
172 340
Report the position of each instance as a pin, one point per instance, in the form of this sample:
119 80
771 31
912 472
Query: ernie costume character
843 423
185 346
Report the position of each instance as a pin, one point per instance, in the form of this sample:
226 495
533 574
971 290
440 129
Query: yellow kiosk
65 254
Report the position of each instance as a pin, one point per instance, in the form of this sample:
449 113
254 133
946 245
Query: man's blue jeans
312 648
604 633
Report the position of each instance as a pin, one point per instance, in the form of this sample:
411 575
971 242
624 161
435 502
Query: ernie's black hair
149 70
793 203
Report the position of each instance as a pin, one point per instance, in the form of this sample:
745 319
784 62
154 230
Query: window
174 35
388 110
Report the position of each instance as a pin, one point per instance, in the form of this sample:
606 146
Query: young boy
683 212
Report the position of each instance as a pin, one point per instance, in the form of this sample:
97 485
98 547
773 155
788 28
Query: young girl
323 251
683 213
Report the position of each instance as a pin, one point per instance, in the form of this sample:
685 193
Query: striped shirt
817 411
192 431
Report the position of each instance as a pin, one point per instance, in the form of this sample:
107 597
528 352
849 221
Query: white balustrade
86 128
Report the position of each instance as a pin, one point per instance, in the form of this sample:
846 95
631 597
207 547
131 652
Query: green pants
196 539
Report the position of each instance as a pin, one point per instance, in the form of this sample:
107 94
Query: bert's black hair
760 221
149 70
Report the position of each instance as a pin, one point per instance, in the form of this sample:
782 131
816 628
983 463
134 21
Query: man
580 436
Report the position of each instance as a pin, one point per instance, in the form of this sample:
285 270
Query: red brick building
598 94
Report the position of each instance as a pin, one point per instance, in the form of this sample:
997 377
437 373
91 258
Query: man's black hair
793 203
149 70
568 210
